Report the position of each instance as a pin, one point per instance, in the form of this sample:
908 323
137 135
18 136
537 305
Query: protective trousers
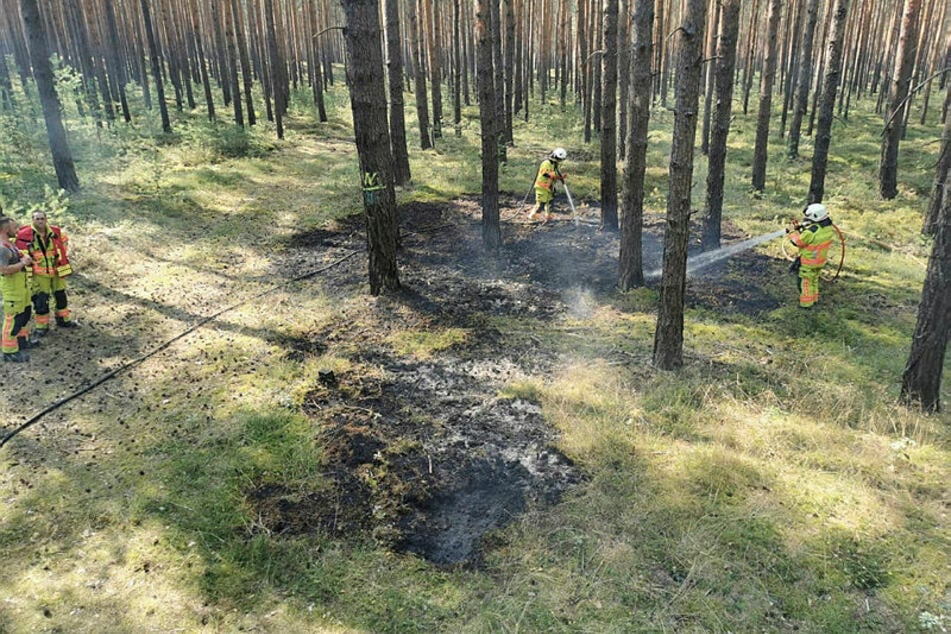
808 286
16 316
45 286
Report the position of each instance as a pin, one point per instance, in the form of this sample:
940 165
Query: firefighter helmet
816 212
558 154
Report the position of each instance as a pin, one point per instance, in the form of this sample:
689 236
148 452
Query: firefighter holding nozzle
813 237
548 175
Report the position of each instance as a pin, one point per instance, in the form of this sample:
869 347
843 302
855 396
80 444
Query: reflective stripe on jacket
47 251
547 175
814 242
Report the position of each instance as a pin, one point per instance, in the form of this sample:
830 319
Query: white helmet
816 212
559 154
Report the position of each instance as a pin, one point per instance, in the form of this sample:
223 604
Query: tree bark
723 111
895 114
805 78
491 233
709 72
767 79
432 33
458 69
401 170
276 68
156 66
419 76
609 118
368 102
46 86
938 191
631 256
508 136
921 381
232 64
669 336
820 156
244 59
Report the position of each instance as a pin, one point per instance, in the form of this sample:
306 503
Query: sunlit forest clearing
240 436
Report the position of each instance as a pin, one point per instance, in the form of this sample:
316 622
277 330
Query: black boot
25 343
15 357
65 323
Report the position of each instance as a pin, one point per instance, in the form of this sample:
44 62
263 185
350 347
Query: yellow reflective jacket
814 242
547 175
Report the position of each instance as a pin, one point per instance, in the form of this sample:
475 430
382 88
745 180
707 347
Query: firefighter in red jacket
47 246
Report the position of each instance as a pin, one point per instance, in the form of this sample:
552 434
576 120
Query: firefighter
15 286
813 237
47 246
548 173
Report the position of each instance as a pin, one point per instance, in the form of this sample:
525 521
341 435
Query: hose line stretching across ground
113 373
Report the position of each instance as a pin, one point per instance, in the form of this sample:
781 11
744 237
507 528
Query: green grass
772 484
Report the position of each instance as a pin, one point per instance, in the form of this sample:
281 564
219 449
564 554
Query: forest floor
258 444
480 459
439 488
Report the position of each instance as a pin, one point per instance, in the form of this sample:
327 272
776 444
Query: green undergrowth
771 484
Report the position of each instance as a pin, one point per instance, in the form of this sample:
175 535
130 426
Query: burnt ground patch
423 454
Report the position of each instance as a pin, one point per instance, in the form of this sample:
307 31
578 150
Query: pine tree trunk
275 68
921 381
767 79
401 170
203 66
419 76
368 102
938 191
156 66
244 59
220 54
46 86
894 123
820 156
508 136
723 111
669 335
458 71
709 72
491 233
432 43
233 65
499 77
318 88
608 118
624 77
803 85
631 256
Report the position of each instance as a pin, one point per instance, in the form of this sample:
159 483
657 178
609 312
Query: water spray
571 203
704 260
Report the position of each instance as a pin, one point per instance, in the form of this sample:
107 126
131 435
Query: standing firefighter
15 285
46 245
545 182
813 237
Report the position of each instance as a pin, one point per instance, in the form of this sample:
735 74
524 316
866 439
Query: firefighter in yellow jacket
47 246
15 286
548 174
813 238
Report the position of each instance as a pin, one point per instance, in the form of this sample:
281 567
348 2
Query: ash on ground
424 454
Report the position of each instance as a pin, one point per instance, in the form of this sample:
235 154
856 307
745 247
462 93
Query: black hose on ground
113 373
